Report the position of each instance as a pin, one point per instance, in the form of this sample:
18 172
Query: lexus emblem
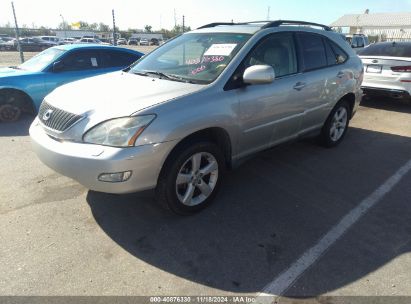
47 115
375 61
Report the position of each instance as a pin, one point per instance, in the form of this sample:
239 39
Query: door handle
341 75
299 86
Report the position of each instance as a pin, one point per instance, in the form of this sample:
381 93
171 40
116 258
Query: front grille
57 119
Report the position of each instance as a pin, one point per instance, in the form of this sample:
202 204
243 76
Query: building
384 26
74 34
81 33
148 36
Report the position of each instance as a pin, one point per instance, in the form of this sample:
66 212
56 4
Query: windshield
387 49
39 62
196 58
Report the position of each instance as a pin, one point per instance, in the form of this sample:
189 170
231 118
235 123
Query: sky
160 13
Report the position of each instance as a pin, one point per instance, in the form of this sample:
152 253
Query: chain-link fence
33 41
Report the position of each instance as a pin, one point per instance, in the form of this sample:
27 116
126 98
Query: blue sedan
23 88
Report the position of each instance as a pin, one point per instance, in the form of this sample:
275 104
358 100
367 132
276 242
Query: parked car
176 118
22 88
52 39
154 41
387 69
121 41
68 41
32 44
7 45
133 41
144 41
90 40
358 41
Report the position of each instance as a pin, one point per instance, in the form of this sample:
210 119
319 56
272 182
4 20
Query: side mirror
259 74
58 66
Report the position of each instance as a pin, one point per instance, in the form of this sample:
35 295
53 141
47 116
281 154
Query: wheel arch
216 135
350 98
28 103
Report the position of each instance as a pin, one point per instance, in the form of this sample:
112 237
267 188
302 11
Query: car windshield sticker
220 50
94 62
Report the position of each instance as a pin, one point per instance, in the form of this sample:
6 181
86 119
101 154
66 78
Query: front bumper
85 162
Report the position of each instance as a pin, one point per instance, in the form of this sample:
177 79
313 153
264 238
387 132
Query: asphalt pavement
58 238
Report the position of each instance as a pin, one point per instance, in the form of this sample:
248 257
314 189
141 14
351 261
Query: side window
340 55
278 51
313 51
331 56
81 61
111 59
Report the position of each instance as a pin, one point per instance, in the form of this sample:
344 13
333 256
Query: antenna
268 13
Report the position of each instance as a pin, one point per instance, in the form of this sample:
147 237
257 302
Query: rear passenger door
323 78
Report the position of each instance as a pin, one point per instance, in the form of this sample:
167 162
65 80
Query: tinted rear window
313 50
387 49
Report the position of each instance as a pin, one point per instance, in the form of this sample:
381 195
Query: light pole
64 26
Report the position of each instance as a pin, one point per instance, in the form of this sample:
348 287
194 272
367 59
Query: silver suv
202 102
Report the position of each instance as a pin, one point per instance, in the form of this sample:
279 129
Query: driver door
74 66
271 113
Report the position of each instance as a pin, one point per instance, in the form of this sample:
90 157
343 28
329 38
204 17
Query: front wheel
191 178
336 126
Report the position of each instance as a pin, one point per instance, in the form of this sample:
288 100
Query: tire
9 113
336 125
191 178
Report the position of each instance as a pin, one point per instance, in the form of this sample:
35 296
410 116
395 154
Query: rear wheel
191 178
336 126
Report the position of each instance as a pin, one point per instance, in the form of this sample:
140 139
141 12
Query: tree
93 26
148 28
84 25
64 26
102 27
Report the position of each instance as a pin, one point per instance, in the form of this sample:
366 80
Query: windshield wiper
15 68
164 76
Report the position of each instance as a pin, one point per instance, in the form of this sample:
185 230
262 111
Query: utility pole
114 29
64 26
175 19
17 34
184 23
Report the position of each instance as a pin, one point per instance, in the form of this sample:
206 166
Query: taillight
401 69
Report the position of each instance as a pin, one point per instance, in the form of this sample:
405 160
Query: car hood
117 94
8 72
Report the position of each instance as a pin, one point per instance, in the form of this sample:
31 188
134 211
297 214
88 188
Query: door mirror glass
259 74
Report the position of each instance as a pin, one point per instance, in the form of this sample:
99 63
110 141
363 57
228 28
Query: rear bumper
385 92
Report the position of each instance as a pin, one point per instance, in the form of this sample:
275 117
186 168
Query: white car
387 68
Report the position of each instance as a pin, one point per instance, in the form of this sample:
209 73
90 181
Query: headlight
118 132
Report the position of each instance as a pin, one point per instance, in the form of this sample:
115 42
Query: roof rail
216 24
269 24
290 22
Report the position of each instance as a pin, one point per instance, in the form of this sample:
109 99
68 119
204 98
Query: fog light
115 177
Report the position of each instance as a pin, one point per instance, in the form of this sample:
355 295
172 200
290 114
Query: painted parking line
285 280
